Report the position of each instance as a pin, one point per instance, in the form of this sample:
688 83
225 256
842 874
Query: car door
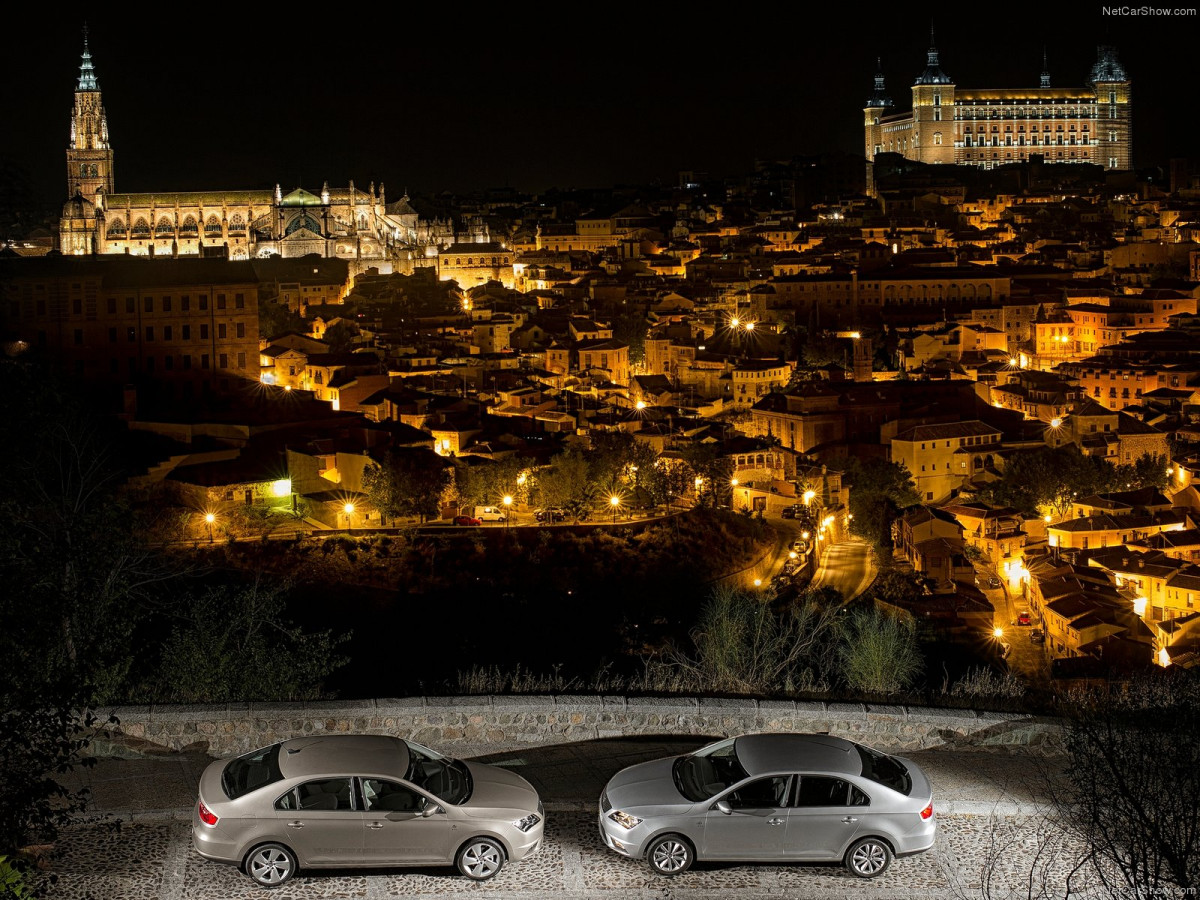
396 831
755 826
319 821
825 815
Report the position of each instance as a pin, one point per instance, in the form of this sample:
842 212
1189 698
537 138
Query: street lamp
210 518
614 501
507 510
808 497
348 509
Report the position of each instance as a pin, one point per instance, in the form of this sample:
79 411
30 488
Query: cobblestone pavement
992 835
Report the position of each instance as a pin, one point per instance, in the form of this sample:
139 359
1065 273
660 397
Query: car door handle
375 825
850 820
295 824
776 821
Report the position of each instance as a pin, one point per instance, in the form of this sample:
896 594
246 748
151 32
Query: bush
879 652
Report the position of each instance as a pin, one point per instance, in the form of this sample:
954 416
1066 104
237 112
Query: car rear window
252 771
885 770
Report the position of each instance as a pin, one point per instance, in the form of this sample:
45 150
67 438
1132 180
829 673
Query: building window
112 335
204 332
221 331
166 332
239 301
187 332
241 361
204 360
223 360
220 301
241 329
149 332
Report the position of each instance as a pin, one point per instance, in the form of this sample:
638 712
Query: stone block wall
481 724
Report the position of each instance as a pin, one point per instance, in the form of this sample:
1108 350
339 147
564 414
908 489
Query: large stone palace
990 127
344 222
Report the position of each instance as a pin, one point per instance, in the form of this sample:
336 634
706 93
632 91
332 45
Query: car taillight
207 817
927 811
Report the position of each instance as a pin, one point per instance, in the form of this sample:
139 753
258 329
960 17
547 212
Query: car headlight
624 819
526 823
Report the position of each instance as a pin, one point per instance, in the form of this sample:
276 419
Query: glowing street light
808 496
210 518
792 554
640 405
1056 422
348 509
614 501
735 322
758 582
997 632
507 501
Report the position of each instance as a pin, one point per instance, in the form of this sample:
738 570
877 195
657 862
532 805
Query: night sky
525 97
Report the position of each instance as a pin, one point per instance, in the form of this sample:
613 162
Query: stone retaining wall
484 723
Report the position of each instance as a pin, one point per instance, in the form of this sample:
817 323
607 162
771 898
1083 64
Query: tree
879 652
879 490
568 485
408 483
232 643
42 738
1132 790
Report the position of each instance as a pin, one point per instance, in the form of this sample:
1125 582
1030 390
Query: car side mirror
429 809
724 807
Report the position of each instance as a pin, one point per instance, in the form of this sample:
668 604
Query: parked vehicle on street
790 512
1037 636
466 520
1024 617
770 798
550 515
489 514
338 801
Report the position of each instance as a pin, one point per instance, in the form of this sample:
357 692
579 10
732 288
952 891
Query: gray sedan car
770 798
362 800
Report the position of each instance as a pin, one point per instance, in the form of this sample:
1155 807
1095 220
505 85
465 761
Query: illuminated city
564 402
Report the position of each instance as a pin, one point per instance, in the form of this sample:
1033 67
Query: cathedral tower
89 155
933 112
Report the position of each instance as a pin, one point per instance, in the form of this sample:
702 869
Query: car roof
761 753
368 754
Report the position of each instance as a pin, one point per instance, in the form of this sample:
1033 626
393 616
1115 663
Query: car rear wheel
271 865
480 859
868 858
670 854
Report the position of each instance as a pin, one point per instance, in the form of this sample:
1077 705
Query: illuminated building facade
993 127
347 223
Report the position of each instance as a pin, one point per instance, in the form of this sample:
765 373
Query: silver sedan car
362 800
770 798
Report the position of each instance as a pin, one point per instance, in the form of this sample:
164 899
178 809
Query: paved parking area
991 831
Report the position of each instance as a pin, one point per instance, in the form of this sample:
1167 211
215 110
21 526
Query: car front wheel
271 865
670 854
480 859
868 858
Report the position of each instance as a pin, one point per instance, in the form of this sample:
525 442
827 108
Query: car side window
821 790
331 793
763 793
389 796
858 798
288 801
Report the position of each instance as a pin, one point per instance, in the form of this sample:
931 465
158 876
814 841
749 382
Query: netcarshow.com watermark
1148 11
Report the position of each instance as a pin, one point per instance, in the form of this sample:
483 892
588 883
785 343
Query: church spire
87 74
1045 70
933 73
89 154
879 97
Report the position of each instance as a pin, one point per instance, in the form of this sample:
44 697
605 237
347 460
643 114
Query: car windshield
445 778
708 771
885 770
250 772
